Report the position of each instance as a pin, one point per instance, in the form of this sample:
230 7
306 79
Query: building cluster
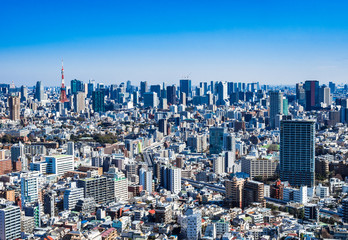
219 160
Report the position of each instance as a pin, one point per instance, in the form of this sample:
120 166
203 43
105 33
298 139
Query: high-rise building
150 99
77 86
98 101
79 102
59 164
102 189
90 88
143 88
325 95
218 164
222 94
70 148
156 89
10 222
17 151
171 95
24 93
29 188
312 94
50 207
71 196
120 183
185 86
39 91
171 178
297 152
216 139
163 126
253 192
234 192
145 179
275 106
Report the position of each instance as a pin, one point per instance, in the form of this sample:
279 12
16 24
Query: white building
175 180
219 165
322 191
120 183
60 164
71 196
145 179
10 222
29 188
296 195
194 226
222 227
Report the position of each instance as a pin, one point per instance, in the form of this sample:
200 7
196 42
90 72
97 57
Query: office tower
345 210
76 86
102 189
156 89
17 151
163 126
135 98
297 151
29 189
325 95
70 148
145 179
216 139
24 93
14 105
59 164
275 106
229 142
120 183
79 102
150 100
39 91
98 101
312 94
234 192
300 94
63 98
285 106
185 86
10 222
183 98
222 94
344 110
171 95
143 88
219 164
332 87
50 203
71 196
163 103
90 88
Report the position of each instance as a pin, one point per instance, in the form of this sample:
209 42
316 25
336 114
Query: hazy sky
273 42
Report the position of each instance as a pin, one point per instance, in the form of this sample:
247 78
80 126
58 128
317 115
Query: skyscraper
150 99
39 91
275 106
222 94
297 152
143 88
76 86
171 95
185 86
24 93
79 101
216 139
14 105
312 94
98 101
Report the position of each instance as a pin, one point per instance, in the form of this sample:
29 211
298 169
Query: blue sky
274 42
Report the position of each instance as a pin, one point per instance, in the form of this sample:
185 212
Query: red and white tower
63 97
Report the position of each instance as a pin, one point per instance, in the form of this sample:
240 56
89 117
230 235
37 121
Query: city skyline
112 42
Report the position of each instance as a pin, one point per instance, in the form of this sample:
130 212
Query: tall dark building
14 104
171 95
297 152
143 88
98 101
39 91
312 94
185 86
77 86
156 89
275 106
